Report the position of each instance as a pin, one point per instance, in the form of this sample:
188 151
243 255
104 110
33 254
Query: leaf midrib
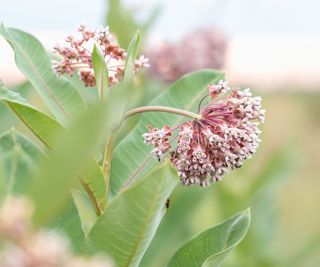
147 221
38 76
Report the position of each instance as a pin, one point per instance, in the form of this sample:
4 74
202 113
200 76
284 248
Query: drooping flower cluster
200 49
224 136
23 247
76 57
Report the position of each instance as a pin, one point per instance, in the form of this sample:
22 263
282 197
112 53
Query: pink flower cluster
76 57
225 135
201 49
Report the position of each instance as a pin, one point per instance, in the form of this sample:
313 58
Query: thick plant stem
162 109
106 163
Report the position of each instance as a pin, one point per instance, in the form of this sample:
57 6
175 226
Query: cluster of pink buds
76 57
225 134
201 49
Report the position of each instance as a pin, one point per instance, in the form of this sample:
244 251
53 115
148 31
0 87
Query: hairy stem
162 109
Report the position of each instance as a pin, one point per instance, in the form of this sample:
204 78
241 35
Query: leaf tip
95 48
246 214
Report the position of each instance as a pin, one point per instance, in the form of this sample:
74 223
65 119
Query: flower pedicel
225 134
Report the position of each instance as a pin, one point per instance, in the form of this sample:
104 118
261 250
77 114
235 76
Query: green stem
106 163
162 109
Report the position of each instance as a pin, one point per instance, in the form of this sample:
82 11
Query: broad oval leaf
46 129
127 227
212 246
184 94
62 98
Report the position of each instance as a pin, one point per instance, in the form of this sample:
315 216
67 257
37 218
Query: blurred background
270 46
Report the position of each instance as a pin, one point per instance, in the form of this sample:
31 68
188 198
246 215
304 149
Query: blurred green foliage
122 22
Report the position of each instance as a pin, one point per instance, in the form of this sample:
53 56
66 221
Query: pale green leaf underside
129 224
46 129
184 94
62 98
212 246
18 159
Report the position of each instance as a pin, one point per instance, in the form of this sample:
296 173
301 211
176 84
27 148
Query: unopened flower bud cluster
223 138
76 57
21 246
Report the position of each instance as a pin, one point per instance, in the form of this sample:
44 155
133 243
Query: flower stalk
162 109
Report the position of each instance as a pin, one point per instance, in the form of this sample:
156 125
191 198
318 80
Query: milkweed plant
75 194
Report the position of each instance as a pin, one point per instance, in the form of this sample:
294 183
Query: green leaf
70 157
47 129
62 98
184 94
100 72
42 125
127 227
121 22
132 53
84 206
18 159
212 246
68 221
6 117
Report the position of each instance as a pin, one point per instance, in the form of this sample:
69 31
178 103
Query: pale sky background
276 17
272 43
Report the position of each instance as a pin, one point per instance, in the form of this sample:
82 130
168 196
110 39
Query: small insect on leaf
167 203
